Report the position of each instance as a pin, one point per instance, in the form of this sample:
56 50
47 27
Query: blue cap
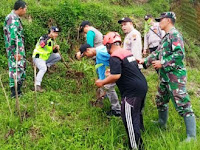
55 29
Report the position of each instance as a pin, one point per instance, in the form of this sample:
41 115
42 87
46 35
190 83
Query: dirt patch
25 115
62 117
34 133
30 61
97 103
141 1
74 74
52 111
10 133
53 69
198 92
51 22
100 94
191 62
79 74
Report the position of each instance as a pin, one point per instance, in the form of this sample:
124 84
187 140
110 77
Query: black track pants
133 121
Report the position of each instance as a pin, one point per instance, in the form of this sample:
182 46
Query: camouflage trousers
21 71
179 96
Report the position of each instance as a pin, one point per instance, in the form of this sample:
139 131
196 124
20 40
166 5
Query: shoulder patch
176 43
134 36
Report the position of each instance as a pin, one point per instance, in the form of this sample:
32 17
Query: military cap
166 15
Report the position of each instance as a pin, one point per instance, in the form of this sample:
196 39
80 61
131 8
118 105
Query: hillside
63 117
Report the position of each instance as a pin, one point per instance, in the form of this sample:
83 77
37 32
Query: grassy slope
71 123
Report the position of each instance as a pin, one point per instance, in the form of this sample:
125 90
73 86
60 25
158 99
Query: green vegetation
70 122
188 20
68 15
64 118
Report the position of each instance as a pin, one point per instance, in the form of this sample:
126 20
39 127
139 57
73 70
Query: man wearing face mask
133 40
14 43
43 57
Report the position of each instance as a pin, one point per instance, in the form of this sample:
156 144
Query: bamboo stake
35 88
6 96
15 79
17 99
66 65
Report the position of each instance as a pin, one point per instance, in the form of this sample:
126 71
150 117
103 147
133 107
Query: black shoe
13 94
114 113
12 89
19 85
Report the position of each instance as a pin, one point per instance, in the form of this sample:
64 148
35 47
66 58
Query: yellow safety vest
45 52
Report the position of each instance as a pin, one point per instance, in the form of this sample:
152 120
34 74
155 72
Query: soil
10 133
74 74
97 103
34 133
25 115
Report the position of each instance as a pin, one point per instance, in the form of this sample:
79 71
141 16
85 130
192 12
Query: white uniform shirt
133 43
152 40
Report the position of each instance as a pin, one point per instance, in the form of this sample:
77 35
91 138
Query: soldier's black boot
19 85
190 124
12 92
162 119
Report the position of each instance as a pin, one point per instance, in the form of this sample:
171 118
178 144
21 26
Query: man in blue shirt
102 61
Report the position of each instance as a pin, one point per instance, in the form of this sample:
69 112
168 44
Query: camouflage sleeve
174 59
13 34
153 56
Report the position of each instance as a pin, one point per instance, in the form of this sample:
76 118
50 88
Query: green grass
64 118
72 123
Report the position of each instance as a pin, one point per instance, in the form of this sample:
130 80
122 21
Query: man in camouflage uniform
168 58
14 41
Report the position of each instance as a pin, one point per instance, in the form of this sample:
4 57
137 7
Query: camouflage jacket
13 30
171 53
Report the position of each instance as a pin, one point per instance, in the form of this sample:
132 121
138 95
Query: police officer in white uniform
133 40
153 34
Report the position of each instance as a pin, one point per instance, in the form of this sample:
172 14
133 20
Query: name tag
131 59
